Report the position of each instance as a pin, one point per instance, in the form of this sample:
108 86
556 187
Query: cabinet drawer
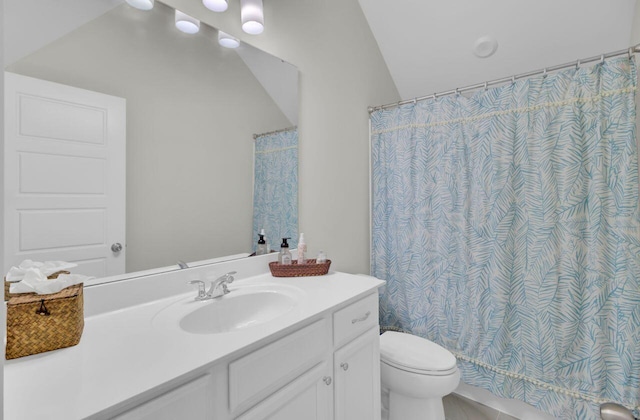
259 374
189 401
355 319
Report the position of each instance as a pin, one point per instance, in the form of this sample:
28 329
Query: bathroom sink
244 307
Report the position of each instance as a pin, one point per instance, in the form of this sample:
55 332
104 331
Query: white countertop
121 354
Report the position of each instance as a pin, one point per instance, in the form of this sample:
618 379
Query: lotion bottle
262 244
302 250
284 257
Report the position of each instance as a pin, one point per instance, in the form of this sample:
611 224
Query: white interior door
64 176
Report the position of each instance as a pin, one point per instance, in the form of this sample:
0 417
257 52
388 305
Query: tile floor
457 407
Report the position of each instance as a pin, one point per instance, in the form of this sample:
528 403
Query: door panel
64 176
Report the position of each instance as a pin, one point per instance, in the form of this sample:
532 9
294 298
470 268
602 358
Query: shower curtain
275 192
507 227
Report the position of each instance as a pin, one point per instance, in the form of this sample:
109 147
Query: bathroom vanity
278 348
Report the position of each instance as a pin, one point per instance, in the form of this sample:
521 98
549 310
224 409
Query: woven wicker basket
39 323
7 284
310 268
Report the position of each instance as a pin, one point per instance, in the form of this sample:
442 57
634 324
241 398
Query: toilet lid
415 354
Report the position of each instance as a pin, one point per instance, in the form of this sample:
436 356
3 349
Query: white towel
47 268
31 276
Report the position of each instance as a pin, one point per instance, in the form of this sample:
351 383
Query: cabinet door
309 397
357 378
192 401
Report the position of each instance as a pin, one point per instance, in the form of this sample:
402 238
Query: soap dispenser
284 257
262 244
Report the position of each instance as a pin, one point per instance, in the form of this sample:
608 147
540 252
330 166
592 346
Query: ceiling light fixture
216 5
186 23
227 40
141 4
252 16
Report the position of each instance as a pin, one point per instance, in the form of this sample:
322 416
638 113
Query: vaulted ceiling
428 46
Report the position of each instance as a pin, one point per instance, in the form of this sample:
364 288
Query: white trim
515 408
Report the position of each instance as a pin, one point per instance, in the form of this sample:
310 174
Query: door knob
327 380
344 365
117 247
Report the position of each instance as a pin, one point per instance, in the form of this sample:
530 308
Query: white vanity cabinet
357 361
357 378
189 401
342 379
326 369
283 375
297 349
309 397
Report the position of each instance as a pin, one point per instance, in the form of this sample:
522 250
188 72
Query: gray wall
341 73
192 108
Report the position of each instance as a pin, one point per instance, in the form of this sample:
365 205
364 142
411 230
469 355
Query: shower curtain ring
577 64
435 97
513 80
630 52
544 72
457 91
486 86
602 59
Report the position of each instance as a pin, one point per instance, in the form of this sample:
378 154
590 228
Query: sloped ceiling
31 24
428 45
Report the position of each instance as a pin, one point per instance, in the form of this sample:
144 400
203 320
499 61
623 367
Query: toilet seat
415 354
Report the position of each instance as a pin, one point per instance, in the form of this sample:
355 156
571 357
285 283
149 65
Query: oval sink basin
233 312
243 307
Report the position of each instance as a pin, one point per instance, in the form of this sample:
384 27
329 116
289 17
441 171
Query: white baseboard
515 408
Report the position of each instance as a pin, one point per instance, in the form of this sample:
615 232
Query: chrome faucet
218 287
202 295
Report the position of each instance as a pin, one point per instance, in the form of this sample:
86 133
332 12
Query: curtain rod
629 51
282 130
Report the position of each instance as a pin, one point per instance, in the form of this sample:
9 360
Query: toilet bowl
415 374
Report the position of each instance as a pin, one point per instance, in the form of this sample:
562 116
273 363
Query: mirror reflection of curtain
275 196
507 227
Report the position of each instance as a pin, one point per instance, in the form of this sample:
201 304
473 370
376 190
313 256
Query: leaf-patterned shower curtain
275 188
507 228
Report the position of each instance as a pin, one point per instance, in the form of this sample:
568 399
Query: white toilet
415 374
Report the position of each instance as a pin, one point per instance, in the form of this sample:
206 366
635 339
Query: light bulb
186 23
227 40
252 16
141 4
216 5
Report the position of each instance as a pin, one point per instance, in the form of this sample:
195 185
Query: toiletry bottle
322 258
262 244
302 250
284 257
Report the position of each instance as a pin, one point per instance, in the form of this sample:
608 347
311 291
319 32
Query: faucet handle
201 289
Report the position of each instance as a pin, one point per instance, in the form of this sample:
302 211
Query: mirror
192 110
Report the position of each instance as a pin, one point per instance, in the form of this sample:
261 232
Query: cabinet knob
344 366
327 380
